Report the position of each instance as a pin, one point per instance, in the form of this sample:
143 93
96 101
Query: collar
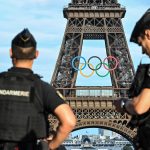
22 70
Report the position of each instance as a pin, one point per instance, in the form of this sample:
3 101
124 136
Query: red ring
117 62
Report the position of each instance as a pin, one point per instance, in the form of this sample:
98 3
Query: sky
44 19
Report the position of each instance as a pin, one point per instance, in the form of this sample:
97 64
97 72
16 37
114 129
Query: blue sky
44 18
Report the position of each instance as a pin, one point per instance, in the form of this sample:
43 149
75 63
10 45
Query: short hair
141 26
23 45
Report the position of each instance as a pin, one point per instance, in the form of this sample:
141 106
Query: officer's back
26 100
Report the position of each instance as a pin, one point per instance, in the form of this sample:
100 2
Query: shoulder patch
60 95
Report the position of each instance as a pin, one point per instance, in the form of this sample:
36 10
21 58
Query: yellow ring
87 76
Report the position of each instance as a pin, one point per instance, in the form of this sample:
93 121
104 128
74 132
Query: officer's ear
147 33
10 52
36 54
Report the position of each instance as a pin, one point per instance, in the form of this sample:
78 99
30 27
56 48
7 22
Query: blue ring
72 63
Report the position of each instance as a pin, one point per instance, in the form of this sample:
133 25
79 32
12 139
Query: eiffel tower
93 105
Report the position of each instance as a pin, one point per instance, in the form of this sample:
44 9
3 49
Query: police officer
26 100
140 104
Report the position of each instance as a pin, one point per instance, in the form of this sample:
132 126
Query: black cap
140 26
24 39
23 45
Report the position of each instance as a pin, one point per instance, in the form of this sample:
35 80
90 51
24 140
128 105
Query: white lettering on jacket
14 93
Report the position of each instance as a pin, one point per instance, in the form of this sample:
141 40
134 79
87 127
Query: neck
23 63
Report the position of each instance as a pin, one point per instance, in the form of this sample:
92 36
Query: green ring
98 73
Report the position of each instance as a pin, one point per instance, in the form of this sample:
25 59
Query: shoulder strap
137 83
29 76
3 74
148 71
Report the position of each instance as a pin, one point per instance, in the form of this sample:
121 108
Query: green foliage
127 147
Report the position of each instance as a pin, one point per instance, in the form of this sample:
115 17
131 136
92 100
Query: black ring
99 63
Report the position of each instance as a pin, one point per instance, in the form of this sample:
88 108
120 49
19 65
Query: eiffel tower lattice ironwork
93 106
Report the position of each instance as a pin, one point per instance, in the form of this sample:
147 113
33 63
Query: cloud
45 20
41 20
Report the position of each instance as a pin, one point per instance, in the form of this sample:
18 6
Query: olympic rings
98 66
72 63
108 66
102 75
87 76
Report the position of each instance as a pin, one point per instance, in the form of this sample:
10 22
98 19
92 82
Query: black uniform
143 81
143 134
42 103
142 122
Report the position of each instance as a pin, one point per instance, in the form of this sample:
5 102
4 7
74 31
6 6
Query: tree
127 147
